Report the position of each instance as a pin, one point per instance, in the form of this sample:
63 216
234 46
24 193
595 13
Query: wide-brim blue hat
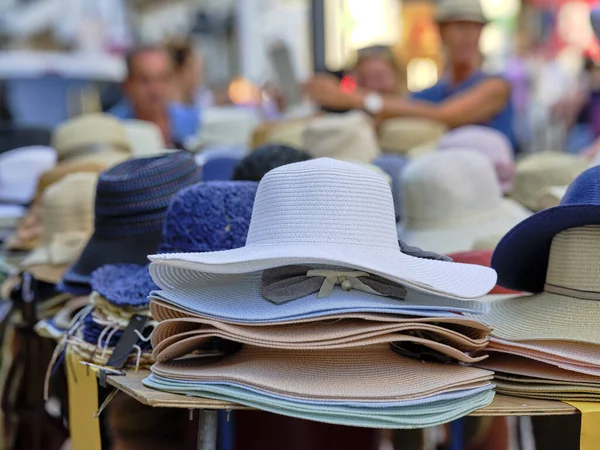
206 217
521 257
130 207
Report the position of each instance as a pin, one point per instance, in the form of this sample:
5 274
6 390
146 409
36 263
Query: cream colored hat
451 199
287 132
568 310
401 135
92 137
228 125
537 173
68 216
144 138
30 228
459 10
350 136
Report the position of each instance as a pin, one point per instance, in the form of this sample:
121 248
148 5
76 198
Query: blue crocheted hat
206 217
131 203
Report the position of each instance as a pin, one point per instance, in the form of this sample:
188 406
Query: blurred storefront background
66 52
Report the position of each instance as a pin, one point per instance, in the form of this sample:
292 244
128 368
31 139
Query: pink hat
490 143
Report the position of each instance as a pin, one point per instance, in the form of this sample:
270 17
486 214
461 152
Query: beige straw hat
537 173
178 337
459 10
286 132
68 217
568 309
532 371
350 136
451 199
28 232
92 138
330 374
401 135
144 138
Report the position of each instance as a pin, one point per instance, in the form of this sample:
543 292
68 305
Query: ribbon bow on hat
283 284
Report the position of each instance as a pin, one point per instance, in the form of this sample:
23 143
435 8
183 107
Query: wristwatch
373 103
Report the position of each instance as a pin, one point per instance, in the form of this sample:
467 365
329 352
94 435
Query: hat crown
448 187
459 10
93 129
574 255
323 201
132 197
349 136
585 189
68 205
219 211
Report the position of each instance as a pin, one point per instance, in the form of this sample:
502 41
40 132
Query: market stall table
131 384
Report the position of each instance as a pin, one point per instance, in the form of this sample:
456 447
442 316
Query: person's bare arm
476 105
479 104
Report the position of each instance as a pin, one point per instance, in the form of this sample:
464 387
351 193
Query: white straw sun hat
326 212
452 199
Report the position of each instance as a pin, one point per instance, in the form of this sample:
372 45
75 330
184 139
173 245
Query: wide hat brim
521 257
101 251
458 281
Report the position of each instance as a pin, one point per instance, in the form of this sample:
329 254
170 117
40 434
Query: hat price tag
127 341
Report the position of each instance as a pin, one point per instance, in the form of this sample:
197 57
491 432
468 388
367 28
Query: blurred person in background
148 89
465 95
188 86
377 70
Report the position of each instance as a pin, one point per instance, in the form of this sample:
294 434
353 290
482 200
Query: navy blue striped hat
131 203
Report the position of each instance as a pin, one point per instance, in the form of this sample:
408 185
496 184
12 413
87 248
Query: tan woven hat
532 371
459 10
537 173
68 217
144 138
451 199
401 135
178 337
369 374
568 308
28 232
92 137
350 136
287 132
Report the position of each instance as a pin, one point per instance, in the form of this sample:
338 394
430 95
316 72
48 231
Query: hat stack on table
546 345
210 216
335 322
131 203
